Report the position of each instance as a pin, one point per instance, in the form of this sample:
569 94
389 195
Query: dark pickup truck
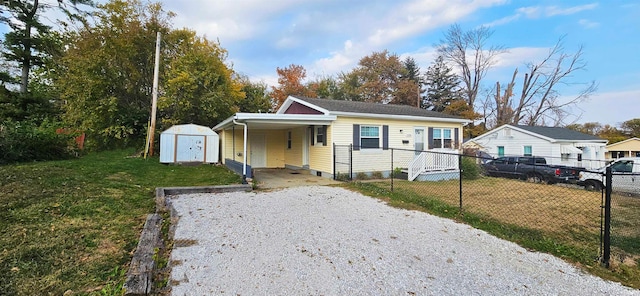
533 169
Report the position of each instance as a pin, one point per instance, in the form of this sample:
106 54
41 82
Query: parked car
534 169
625 176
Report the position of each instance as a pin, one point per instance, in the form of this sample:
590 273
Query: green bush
26 141
470 169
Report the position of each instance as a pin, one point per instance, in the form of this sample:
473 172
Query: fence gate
342 162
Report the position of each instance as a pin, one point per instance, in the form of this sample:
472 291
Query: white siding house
558 145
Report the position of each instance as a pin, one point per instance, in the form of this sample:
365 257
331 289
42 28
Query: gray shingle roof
374 108
559 133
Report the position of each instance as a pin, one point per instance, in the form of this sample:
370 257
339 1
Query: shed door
258 151
190 148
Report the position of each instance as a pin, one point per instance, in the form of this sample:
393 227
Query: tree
290 82
469 51
442 86
612 134
591 128
380 78
199 87
106 73
257 98
412 74
27 43
327 88
538 101
631 127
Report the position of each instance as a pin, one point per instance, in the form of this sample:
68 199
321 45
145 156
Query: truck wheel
593 186
535 178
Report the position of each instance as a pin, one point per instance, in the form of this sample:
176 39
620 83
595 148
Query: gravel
331 241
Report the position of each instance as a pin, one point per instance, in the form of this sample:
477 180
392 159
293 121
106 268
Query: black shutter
430 141
356 137
456 138
313 137
385 137
324 135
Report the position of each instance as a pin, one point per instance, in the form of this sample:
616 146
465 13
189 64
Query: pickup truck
533 169
625 176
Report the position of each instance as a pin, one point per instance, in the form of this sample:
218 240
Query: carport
284 178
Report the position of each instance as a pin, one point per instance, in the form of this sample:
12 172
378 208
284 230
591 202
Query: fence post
350 162
460 178
606 256
334 161
392 171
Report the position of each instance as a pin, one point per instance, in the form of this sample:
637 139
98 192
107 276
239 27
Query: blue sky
330 36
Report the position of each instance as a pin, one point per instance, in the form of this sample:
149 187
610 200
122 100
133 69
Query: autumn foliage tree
290 82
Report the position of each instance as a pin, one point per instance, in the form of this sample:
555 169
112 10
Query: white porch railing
430 162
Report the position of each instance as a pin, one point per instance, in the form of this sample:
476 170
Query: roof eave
400 117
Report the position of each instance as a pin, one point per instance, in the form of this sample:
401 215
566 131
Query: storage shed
189 143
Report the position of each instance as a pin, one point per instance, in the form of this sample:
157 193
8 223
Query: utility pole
154 103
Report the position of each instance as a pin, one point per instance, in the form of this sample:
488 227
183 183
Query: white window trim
379 127
442 138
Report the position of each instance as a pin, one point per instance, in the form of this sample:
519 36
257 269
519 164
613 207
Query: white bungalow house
301 135
558 145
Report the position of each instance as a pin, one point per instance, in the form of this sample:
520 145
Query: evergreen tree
442 86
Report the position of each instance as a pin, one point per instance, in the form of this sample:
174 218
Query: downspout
244 152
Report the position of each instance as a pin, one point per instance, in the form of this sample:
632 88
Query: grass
559 220
71 226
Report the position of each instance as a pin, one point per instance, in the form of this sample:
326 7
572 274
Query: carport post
244 152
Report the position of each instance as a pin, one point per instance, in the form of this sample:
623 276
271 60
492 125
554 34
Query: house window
637 153
528 151
289 140
565 156
369 137
500 151
320 134
442 138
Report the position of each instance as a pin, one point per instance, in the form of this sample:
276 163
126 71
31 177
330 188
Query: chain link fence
537 204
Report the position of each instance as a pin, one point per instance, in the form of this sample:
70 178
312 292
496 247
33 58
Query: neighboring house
558 145
626 148
301 135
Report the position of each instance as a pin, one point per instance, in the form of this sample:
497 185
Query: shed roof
190 129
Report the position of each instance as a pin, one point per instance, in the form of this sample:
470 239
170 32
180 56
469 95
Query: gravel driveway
331 241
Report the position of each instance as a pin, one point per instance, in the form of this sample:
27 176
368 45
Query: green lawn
71 226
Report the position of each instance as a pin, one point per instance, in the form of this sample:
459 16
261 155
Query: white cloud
610 107
535 12
588 24
555 10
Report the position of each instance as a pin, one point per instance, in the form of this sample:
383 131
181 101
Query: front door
190 148
258 151
418 140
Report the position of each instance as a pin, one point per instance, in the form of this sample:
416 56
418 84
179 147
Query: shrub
26 141
362 176
470 170
377 175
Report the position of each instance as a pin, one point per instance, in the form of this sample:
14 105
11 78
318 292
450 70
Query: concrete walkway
284 178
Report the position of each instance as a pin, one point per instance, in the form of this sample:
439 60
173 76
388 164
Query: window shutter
356 137
430 140
456 138
324 135
313 137
385 137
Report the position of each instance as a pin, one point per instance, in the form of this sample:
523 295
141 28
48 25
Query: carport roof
275 121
